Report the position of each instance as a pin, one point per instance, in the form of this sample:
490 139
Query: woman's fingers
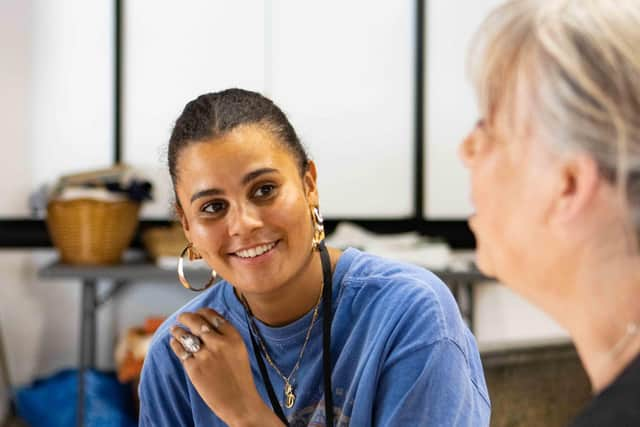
204 321
214 331
216 320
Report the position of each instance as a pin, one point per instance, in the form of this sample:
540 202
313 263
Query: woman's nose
466 150
243 220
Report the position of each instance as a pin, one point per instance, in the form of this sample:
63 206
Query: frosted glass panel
57 88
174 51
347 87
450 105
343 71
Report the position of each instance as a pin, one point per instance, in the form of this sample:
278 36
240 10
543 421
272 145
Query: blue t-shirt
401 355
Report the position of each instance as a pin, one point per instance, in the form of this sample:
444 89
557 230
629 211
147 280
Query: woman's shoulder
392 277
398 290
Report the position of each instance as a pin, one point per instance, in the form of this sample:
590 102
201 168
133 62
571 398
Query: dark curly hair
213 114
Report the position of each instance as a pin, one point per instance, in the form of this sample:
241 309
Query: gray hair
577 63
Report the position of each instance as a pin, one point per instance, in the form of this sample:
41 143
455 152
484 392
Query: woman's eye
264 190
214 207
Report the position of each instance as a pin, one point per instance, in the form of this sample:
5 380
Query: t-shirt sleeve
163 390
430 385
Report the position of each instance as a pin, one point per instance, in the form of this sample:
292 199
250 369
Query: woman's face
511 185
246 209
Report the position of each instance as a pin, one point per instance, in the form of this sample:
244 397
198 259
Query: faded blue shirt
401 355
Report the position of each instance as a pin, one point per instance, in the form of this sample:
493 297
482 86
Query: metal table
118 276
461 285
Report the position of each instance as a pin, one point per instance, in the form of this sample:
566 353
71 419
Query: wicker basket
91 232
164 241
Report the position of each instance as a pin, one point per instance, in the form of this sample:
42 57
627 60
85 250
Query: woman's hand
220 370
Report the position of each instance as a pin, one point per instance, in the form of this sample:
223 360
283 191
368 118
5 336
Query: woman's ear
309 181
183 220
580 180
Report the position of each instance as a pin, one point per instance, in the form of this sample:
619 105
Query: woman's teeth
254 252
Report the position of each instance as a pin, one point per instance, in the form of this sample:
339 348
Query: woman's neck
599 310
293 299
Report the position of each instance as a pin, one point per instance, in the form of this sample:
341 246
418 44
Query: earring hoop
193 255
318 227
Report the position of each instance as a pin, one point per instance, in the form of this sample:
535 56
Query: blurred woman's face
246 208
510 189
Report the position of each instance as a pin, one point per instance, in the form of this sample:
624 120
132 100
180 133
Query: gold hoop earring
193 255
318 227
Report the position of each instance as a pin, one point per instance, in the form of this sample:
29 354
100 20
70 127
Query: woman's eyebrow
256 173
206 193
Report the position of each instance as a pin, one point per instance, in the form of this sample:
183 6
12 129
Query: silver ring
186 356
191 343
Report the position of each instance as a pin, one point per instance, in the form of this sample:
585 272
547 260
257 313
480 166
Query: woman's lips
255 253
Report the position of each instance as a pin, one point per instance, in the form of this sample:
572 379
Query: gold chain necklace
631 330
289 395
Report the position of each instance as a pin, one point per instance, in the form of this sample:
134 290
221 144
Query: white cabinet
342 71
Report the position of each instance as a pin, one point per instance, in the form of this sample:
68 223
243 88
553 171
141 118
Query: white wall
40 319
14 50
450 110
503 319
56 109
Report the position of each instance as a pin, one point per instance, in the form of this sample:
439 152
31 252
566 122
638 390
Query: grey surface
131 271
145 270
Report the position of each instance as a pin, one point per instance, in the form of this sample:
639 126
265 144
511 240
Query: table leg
87 342
465 299
463 293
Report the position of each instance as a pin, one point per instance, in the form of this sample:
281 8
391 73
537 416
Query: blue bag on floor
51 402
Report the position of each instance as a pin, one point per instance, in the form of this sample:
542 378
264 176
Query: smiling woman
348 338
243 194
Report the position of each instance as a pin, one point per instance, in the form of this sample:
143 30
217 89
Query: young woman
555 162
296 333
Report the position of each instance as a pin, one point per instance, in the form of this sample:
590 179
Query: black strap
267 382
327 290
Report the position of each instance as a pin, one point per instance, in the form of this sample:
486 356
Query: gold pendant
290 398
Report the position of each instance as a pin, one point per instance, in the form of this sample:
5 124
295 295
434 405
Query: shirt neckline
298 327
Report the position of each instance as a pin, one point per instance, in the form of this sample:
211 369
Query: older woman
296 333
555 164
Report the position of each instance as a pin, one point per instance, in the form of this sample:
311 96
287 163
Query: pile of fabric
132 347
120 182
